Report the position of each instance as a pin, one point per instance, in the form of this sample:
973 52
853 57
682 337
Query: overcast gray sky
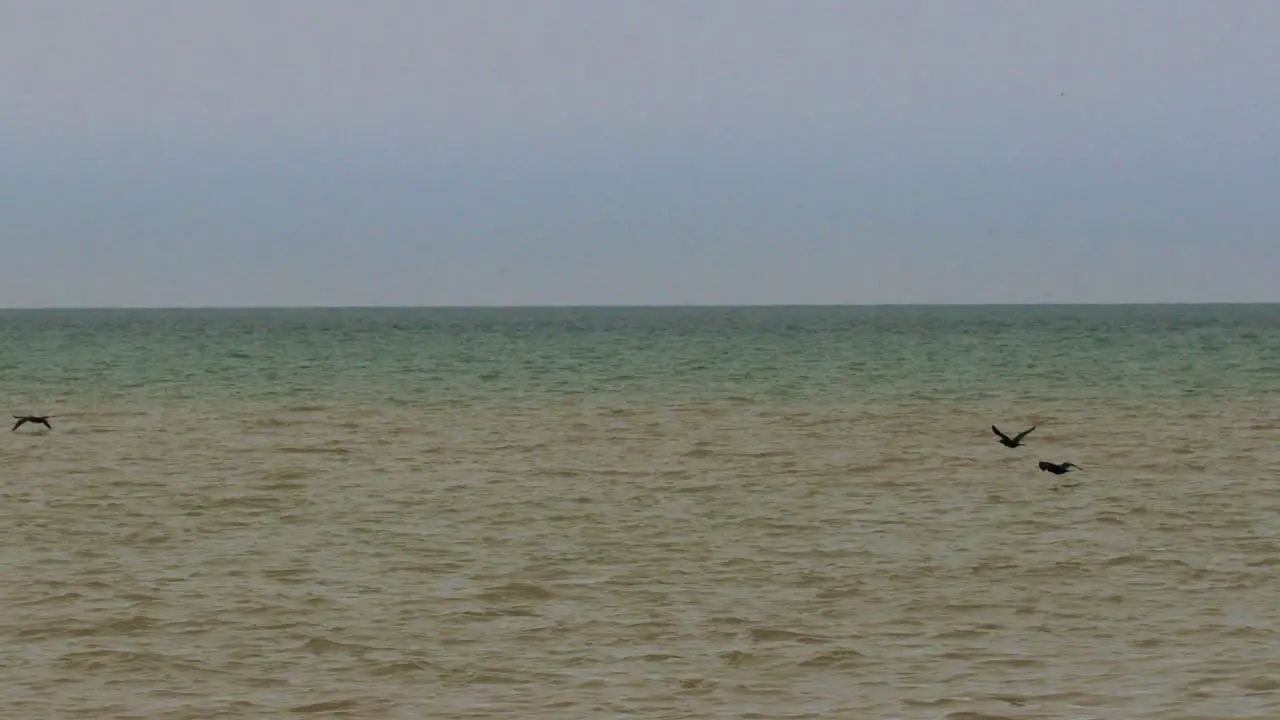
389 152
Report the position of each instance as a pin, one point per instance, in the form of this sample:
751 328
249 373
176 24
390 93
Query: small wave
288 575
328 706
110 660
702 684
494 678
272 422
656 657
774 453
778 635
247 501
517 591
736 658
285 475
1261 685
960 634
835 658
1126 559
1013 661
520 447
324 646
60 598
840 592
306 408
693 489
128 625
728 620
493 613
314 450
142 538
401 667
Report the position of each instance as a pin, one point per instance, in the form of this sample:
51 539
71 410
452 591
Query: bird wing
45 422
996 430
1024 433
18 424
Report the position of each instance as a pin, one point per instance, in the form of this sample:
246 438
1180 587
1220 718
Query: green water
58 358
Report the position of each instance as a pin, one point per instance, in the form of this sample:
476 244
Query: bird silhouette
1058 468
1016 441
40 419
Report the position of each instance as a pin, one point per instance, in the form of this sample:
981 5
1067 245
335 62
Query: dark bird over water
1058 468
23 419
1017 439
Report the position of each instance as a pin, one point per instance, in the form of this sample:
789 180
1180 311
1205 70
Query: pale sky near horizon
471 152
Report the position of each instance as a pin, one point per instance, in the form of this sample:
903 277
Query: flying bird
1016 440
34 419
1058 468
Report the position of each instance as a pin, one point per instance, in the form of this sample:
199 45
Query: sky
655 152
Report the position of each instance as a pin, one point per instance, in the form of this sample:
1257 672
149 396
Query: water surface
665 512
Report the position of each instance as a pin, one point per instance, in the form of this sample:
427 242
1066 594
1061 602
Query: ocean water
644 512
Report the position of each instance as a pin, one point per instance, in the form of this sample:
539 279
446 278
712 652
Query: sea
663 512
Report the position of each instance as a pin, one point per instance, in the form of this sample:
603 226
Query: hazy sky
400 152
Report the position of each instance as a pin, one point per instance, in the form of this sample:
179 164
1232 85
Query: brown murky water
657 513
629 559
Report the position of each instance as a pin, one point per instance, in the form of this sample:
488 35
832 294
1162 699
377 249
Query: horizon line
646 306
